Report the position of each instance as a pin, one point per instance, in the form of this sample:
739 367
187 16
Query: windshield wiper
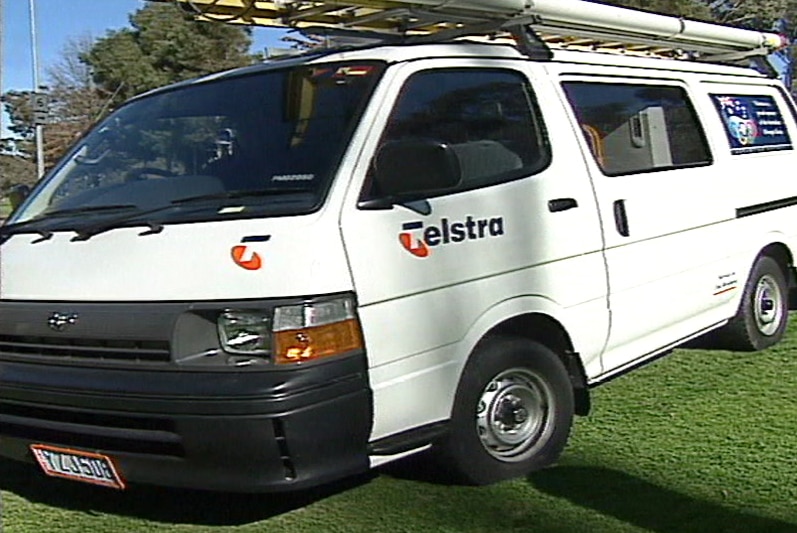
234 195
9 229
85 209
88 232
155 227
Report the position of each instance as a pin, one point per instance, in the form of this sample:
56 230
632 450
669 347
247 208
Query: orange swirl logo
246 257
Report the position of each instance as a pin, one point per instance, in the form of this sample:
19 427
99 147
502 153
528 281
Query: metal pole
35 62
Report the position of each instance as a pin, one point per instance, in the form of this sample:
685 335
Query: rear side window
487 118
752 123
637 128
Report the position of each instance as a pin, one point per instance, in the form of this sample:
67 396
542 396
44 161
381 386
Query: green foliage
75 101
16 162
19 106
163 46
755 14
695 9
16 169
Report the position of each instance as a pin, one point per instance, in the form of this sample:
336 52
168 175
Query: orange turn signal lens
316 342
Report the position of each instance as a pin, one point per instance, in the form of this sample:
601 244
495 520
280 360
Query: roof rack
562 23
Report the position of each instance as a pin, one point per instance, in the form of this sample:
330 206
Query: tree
16 162
75 100
74 105
695 9
16 169
20 112
756 14
164 46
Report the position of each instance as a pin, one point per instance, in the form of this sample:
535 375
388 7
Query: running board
650 357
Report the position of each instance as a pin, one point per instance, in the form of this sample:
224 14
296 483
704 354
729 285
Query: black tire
764 310
512 412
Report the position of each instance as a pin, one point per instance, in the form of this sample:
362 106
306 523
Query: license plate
78 465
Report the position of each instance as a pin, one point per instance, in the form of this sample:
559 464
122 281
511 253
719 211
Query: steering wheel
137 174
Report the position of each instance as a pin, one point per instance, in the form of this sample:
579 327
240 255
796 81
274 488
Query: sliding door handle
620 218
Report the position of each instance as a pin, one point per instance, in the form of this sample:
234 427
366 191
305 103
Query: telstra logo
419 239
244 256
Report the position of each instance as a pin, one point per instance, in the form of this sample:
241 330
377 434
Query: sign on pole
41 108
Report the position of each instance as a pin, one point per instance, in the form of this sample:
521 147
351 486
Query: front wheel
512 412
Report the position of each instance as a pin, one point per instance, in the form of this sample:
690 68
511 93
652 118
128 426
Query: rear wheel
763 313
512 413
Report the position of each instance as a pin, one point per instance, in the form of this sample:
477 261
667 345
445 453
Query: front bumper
233 431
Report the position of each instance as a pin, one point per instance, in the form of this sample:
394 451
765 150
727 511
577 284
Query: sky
58 21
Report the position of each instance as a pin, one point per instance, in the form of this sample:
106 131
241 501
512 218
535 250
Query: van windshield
260 144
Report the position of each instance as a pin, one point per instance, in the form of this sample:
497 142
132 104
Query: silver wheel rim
767 305
513 415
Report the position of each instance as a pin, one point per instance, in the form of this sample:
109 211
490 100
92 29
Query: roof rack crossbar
309 12
378 15
361 35
449 34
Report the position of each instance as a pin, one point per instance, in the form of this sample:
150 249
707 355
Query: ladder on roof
562 23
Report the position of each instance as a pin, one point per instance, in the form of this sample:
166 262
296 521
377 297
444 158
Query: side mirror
17 194
415 166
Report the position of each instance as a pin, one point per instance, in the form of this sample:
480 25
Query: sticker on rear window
752 123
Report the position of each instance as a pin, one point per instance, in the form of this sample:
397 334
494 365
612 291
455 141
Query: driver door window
487 117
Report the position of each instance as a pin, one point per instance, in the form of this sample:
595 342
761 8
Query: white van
274 277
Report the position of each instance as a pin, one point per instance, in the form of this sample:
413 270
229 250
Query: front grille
108 432
93 349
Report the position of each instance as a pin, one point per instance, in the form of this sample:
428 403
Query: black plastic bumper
234 431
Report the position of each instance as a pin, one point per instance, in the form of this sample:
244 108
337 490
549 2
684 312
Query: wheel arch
782 254
542 327
754 327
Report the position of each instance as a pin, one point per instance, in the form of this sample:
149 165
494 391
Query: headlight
245 332
296 333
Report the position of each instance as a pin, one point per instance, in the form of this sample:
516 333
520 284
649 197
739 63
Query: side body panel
422 316
679 266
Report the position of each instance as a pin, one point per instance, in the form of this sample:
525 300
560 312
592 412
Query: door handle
620 218
561 204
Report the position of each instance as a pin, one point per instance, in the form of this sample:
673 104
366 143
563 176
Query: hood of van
236 259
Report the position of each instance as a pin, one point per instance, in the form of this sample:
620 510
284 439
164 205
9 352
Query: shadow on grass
421 468
646 505
176 506
607 492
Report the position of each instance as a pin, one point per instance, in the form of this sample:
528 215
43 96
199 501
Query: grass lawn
700 441
5 208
